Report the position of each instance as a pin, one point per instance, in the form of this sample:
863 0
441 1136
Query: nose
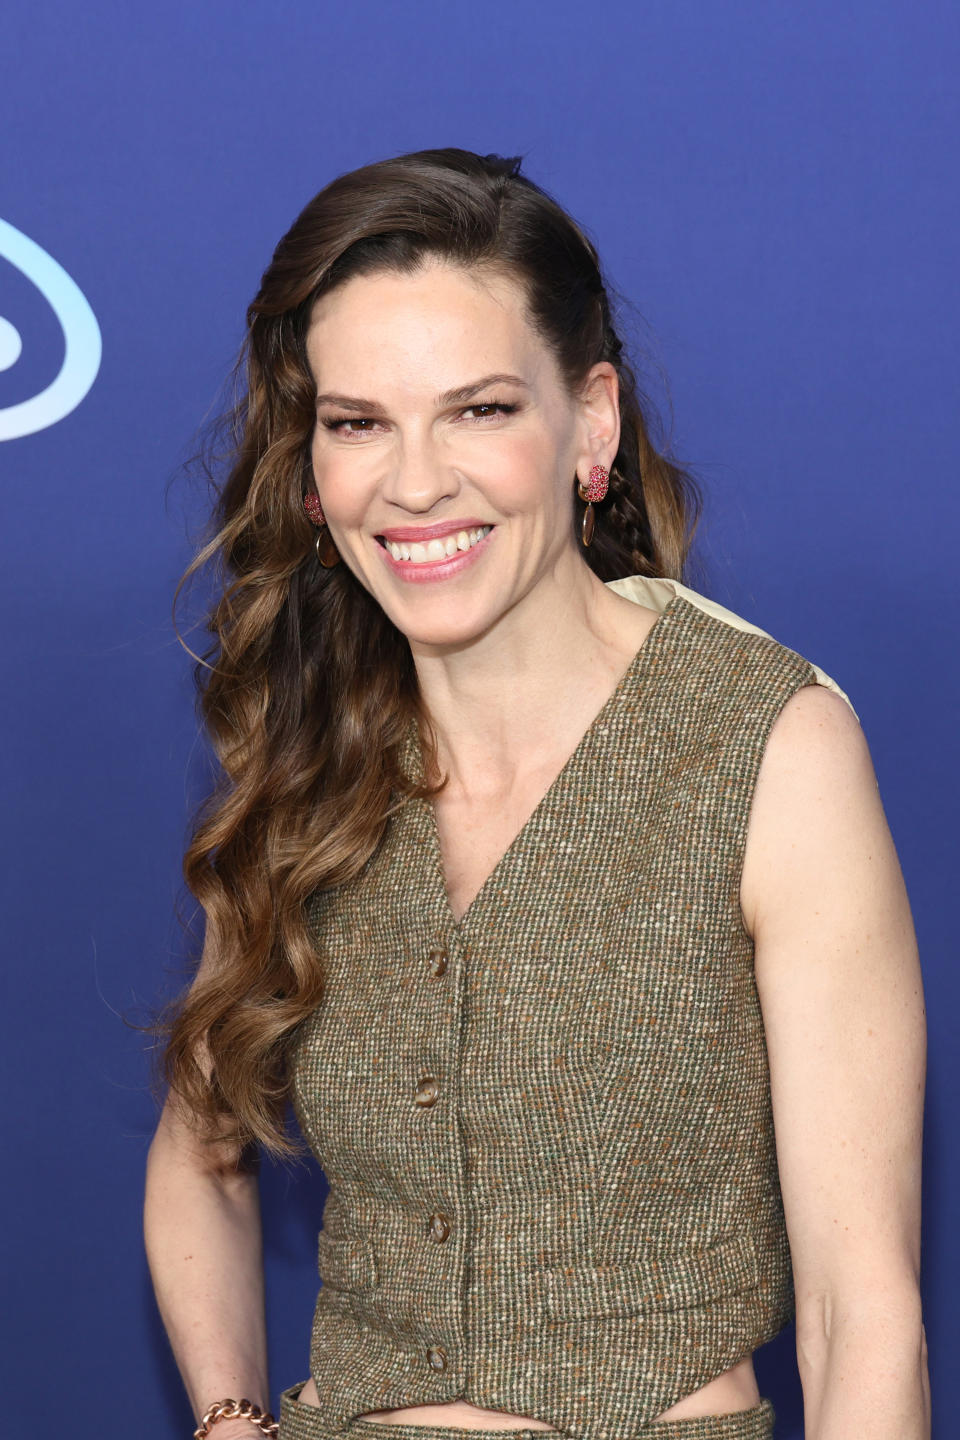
419 476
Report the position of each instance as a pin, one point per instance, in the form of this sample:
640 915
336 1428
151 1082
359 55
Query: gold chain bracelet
237 1410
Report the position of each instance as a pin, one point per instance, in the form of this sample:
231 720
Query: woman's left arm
839 980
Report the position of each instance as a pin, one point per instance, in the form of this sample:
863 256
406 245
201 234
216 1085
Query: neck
513 700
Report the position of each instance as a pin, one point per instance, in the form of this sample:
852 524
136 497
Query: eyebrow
449 397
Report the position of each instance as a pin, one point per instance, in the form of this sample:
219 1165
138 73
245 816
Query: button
437 1358
437 960
427 1091
439 1227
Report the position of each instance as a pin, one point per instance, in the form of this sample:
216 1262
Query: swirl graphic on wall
81 333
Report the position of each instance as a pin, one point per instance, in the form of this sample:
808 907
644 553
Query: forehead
441 319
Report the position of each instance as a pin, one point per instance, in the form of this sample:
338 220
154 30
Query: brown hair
307 688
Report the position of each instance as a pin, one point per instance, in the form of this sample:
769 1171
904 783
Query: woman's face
449 492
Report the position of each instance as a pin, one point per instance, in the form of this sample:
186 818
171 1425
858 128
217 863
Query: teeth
434 550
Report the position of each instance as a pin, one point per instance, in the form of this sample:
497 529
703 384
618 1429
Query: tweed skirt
303 1422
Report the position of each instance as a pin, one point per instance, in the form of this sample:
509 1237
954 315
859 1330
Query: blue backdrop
772 184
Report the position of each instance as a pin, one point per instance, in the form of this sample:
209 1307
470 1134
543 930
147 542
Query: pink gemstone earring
594 490
327 552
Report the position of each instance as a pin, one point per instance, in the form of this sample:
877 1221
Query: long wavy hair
307 689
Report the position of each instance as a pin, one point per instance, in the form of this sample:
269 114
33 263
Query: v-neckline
641 659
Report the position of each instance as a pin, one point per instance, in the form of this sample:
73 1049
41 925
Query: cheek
522 476
342 482
541 491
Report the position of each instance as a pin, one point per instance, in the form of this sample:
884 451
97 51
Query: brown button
427 1091
437 1358
437 960
439 1227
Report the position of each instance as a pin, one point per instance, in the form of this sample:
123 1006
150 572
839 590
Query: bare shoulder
816 724
816 787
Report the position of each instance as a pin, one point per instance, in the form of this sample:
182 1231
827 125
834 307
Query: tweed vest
546 1128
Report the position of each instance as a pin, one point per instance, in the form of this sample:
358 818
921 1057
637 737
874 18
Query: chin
441 626
441 637
437 622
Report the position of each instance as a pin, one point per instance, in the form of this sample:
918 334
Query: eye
496 405
334 422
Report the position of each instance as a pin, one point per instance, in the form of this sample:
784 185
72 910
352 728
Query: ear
600 418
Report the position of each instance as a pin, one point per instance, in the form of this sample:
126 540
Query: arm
204 1248
840 987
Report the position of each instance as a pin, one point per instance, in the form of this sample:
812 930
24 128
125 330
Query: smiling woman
488 482
535 881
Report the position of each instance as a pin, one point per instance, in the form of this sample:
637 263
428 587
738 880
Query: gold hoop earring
327 552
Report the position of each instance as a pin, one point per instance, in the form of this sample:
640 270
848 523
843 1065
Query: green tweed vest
547 1128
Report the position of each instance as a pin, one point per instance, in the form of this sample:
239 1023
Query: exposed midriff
735 1389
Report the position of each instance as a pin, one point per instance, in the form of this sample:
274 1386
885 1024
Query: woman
538 882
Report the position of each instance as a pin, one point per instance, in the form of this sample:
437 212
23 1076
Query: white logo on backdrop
81 359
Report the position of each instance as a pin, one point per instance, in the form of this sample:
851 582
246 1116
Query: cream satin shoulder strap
656 592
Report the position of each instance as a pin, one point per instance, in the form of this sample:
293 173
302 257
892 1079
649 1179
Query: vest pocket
346 1262
659 1281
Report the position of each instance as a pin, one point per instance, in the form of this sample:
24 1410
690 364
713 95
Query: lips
439 558
422 533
